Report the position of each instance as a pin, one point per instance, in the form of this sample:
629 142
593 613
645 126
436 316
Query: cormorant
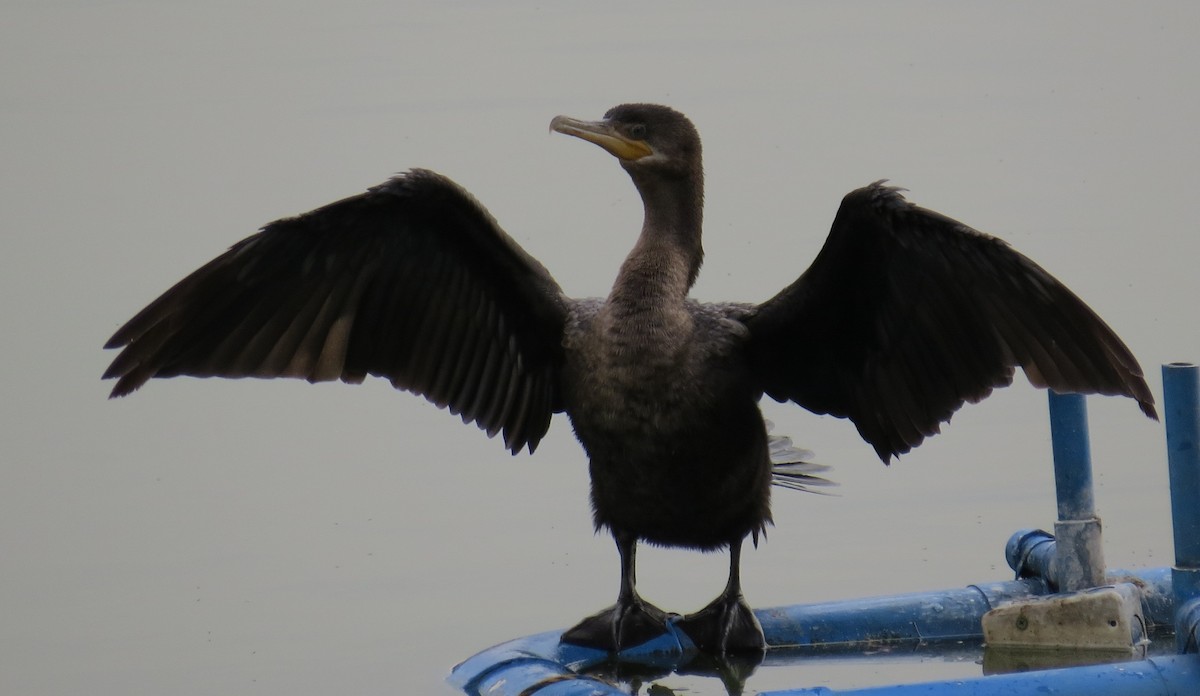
903 316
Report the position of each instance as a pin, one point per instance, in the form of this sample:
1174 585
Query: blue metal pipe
1181 406
1079 562
1072 456
527 664
1031 553
539 662
1171 675
922 616
542 662
1187 627
1181 396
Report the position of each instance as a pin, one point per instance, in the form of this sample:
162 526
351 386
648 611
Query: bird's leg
727 624
631 621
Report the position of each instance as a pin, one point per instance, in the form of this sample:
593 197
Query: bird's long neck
664 263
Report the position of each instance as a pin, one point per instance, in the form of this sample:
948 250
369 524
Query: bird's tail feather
792 467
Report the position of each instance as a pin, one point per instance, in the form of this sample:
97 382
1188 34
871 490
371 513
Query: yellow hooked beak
605 135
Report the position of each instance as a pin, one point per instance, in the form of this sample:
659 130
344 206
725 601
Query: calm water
225 537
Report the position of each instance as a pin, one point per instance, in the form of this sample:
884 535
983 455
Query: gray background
217 537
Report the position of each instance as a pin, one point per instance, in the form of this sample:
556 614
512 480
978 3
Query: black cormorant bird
904 315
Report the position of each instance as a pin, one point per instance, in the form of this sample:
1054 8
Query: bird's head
643 137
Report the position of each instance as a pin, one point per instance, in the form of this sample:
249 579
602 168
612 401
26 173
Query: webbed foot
727 625
621 626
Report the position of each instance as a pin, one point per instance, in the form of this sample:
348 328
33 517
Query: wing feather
907 314
411 281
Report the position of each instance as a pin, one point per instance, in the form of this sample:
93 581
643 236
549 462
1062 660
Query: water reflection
731 671
780 667
806 667
658 669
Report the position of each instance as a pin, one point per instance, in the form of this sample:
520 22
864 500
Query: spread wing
412 281
906 314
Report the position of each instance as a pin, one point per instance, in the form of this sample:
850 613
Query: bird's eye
637 130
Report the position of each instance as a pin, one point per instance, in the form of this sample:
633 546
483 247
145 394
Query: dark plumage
903 316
